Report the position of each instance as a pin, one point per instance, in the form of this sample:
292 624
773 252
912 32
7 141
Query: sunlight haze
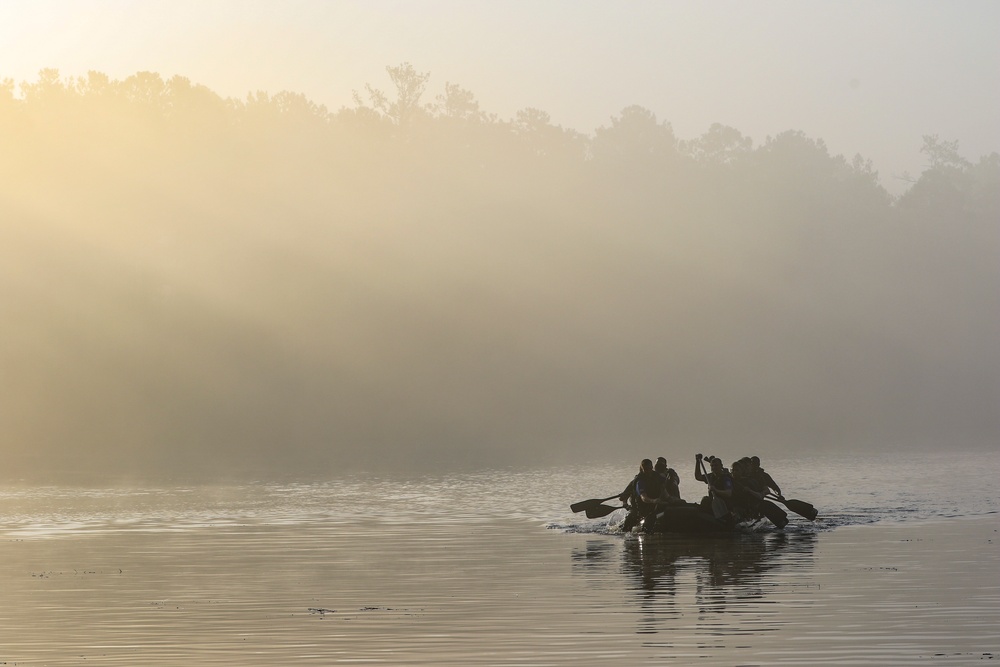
867 77
264 239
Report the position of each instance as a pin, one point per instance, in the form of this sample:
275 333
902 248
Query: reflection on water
672 575
731 565
864 595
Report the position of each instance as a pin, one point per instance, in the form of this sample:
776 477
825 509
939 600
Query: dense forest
195 285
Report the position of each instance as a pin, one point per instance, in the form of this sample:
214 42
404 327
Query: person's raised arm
697 469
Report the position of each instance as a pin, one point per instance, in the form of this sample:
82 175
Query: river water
493 569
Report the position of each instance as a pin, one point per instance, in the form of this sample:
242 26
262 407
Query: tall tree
720 145
410 85
635 138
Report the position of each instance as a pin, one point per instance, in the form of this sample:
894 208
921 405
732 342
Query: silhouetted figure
671 480
647 489
748 501
628 495
720 481
747 491
764 480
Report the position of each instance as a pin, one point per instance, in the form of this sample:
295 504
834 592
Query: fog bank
205 287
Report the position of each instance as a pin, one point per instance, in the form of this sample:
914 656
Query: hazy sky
868 77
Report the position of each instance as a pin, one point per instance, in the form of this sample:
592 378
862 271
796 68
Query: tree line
56 116
191 279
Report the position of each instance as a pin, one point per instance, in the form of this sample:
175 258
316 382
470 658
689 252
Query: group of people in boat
742 490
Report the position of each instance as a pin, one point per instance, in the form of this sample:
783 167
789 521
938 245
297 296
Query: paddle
774 514
800 507
719 508
601 511
584 505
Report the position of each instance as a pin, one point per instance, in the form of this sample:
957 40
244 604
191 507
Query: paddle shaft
800 507
719 508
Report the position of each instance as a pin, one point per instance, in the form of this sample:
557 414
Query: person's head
661 465
716 464
645 465
755 460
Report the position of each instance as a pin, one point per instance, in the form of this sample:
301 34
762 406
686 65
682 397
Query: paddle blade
600 511
802 508
774 514
584 505
719 508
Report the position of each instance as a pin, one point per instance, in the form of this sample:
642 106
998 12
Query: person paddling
764 480
646 491
628 495
671 480
748 496
719 481
748 492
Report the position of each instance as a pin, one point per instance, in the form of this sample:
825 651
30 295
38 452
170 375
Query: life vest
721 480
652 483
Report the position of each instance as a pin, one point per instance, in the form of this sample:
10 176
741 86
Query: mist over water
200 288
